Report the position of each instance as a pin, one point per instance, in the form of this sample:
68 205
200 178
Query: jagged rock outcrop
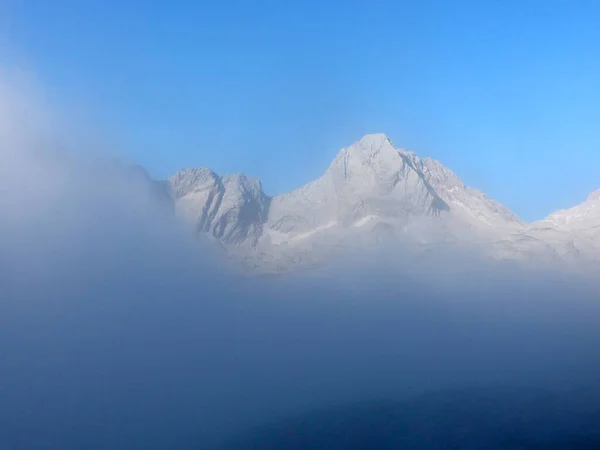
232 208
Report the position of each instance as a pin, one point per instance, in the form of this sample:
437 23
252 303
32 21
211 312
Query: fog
118 330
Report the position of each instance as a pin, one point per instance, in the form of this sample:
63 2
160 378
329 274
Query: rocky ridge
371 193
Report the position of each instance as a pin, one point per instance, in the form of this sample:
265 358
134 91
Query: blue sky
504 92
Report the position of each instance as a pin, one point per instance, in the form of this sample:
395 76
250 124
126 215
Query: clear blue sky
504 92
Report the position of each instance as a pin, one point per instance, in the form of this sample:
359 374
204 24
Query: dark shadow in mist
498 419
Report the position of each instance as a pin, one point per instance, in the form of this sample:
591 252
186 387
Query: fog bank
119 330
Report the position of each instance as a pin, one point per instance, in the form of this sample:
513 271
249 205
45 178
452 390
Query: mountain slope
368 178
373 181
571 235
232 208
371 192
581 218
374 194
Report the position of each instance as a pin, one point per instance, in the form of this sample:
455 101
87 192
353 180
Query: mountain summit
371 192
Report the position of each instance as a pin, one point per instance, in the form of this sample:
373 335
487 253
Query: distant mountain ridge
373 192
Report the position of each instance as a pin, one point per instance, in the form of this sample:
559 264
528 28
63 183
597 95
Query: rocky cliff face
232 208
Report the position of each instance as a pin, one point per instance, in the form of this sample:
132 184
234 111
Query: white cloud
117 332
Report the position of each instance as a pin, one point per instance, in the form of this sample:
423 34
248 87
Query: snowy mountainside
374 194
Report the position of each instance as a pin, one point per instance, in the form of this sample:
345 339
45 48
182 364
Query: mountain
584 218
572 234
372 194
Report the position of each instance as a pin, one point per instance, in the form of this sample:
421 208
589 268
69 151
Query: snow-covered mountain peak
371 191
371 152
373 174
583 216
374 140
594 196
187 181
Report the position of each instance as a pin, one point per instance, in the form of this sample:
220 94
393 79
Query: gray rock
233 208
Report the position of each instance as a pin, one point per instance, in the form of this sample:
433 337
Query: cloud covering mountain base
120 330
